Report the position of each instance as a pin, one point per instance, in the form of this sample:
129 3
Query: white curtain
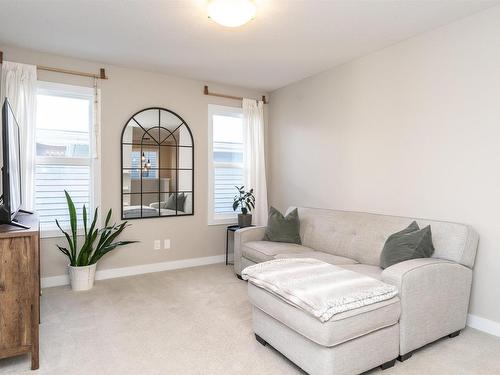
19 86
255 161
96 139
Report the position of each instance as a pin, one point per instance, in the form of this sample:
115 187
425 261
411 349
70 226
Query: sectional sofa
433 295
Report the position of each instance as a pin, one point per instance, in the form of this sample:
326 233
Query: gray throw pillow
175 200
410 243
283 229
171 202
181 199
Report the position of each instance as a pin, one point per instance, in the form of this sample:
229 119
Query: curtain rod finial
205 90
102 74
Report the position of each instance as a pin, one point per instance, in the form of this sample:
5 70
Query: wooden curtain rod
101 75
206 92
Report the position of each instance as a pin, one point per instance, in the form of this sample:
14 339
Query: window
226 162
64 147
149 158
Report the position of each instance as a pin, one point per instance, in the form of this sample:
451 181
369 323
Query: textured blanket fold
321 289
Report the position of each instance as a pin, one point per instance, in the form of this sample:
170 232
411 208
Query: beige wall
126 92
411 130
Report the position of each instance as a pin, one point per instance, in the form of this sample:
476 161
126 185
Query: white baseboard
112 273
48 282
483 324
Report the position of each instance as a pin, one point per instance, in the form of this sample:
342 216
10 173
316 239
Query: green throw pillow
283 229
174 201
410 243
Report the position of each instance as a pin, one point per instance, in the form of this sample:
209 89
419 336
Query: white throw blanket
319 288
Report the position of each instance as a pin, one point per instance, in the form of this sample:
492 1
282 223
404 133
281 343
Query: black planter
244 220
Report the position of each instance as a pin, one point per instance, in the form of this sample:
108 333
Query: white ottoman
349 343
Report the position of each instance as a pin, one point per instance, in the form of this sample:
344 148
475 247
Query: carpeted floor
193 321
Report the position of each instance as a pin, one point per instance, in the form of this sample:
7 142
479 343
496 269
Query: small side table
231 228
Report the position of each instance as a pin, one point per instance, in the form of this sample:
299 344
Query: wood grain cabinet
20 289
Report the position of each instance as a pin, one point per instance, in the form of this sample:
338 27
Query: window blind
50 183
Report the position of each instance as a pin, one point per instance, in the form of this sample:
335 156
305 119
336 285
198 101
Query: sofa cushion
281 228
361 236
340 328
175 200
325 257
365 269
262 251
410 243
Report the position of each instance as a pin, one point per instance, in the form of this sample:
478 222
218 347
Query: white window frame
72 91
214 109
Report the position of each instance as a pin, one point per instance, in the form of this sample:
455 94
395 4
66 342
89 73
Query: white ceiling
289 39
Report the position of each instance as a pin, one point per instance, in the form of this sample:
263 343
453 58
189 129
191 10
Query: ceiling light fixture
231 13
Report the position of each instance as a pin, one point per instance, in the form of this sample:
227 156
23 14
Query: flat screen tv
11 198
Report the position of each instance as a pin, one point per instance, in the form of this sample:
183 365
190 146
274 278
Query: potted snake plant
83 260
244 200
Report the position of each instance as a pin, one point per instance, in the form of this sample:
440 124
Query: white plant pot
82 278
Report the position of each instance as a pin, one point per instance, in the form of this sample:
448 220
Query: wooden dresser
20 289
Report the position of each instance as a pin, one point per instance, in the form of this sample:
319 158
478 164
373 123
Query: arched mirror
157 165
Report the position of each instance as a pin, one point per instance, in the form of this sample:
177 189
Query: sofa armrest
245 235
434 296
157 205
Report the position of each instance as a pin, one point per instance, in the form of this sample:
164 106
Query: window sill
223 221
56 233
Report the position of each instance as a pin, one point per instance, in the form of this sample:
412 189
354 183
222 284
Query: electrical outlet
166 243
157 245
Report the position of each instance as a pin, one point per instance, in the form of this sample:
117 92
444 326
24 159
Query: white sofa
131 212
433 292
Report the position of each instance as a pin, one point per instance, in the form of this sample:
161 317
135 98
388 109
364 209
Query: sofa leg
387 365
260 340
454 334
239 277
404 357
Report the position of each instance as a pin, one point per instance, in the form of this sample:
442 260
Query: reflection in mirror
185 180
127 156
151 136
132 133
128 133
169 120
130 183
169 180
157 165
167 137
150 184
185 158
177 204
183 136
131 206
149 118
188 204
168 157
171 205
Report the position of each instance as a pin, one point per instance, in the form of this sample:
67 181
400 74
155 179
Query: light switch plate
166 243
157 245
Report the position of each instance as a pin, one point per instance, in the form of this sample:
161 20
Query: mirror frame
177 147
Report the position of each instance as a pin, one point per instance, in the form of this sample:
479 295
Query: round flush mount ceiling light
231 13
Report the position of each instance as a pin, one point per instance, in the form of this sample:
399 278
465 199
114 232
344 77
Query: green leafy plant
244 199
90 252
